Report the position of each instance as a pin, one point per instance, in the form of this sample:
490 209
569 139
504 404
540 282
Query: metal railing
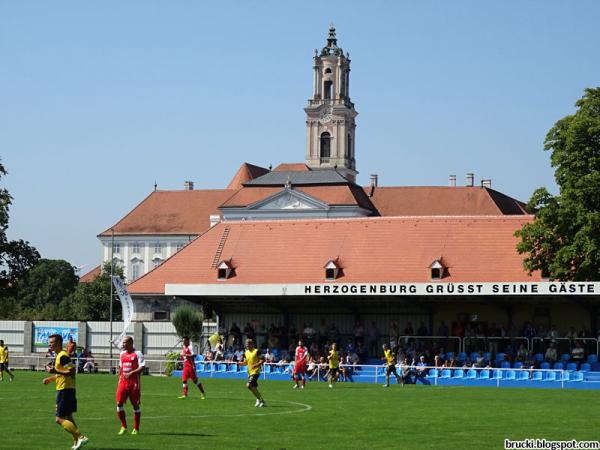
492 342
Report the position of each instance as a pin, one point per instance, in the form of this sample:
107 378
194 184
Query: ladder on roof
219 251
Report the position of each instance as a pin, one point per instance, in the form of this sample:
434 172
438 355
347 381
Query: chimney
373 180
470 179
188 185
214 219
452 181
486 183
373 184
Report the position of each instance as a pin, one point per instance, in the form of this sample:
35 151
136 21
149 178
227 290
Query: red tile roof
90 276
334 195
439 200
245 173
377 249
172 212
291 167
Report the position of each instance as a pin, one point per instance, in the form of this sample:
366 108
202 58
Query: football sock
303 381
70 428
137 414
185 389
121 416
200 387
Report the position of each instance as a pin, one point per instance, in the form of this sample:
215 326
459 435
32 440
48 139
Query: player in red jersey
189 368
300 366
130 368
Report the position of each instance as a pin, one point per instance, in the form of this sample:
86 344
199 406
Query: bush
172 358
188 322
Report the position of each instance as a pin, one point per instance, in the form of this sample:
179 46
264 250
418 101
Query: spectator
553 334
322 332
208 355
90 365
238 356
249 332
406 372
551 354
443 330
521 353
480 361
359 333
372 336
219 352
421 371
236 333
309 332
577 354
311 369
71 346
333 333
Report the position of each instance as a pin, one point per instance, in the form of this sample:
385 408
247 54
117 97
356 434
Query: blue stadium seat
432 373
572 366
522 375
471 374
446 373
487 356
243 368
537 376
565 357
517 365
462 357
550 376
200 367
585 367
268 368
592 359
484 374
558 366
233 367
505 365
510 375
539 357
577 376
222 367
459 373
449 355
545 365
199 358
209 367
566 375
500 356
474 356
497 375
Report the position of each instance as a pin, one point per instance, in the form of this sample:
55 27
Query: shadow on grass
173 433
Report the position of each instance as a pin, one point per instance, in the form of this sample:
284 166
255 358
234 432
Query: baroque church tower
330 114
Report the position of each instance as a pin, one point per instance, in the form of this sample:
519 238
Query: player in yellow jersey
4 362
66 402
334 364
254 360
390 358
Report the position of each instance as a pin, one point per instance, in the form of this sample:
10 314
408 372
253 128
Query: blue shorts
66 403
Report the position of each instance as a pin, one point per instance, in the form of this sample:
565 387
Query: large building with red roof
303 243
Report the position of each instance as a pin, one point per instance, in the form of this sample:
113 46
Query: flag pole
112 249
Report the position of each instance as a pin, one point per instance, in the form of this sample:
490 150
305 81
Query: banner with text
127 305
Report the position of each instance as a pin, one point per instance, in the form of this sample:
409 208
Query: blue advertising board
40 334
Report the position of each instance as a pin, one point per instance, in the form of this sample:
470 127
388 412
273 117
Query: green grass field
361 416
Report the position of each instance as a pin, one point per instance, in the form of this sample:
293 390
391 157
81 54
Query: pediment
288 199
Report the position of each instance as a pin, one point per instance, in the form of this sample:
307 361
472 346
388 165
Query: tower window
327 89
325 146
438 269
349 149
332 270
328 70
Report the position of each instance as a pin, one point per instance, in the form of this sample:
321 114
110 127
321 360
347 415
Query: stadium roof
369 250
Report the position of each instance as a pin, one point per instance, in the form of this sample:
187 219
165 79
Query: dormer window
224 270
332 270
437 270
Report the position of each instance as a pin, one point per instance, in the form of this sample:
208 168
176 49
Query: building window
328 70
160 315
136 269
156 262
158 248
437 269
332 270
137 248
117 248
224 270
327 89
179 246
325 146
349 147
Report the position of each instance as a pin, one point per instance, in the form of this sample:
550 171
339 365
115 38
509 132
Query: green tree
563 242
91 301
16 257
188 322
44 287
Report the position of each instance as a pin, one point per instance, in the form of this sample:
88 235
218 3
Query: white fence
11 332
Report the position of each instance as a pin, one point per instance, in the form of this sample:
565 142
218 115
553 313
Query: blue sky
100 99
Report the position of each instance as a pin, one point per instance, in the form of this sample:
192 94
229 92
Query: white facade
138 255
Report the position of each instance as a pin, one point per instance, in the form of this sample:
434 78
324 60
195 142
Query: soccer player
334 364
390 358
131 365
254 360
300 366
189 368
4 362
66 402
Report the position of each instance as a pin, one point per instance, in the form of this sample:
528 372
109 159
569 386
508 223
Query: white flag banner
127 305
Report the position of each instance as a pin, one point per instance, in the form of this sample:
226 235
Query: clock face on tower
325 114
